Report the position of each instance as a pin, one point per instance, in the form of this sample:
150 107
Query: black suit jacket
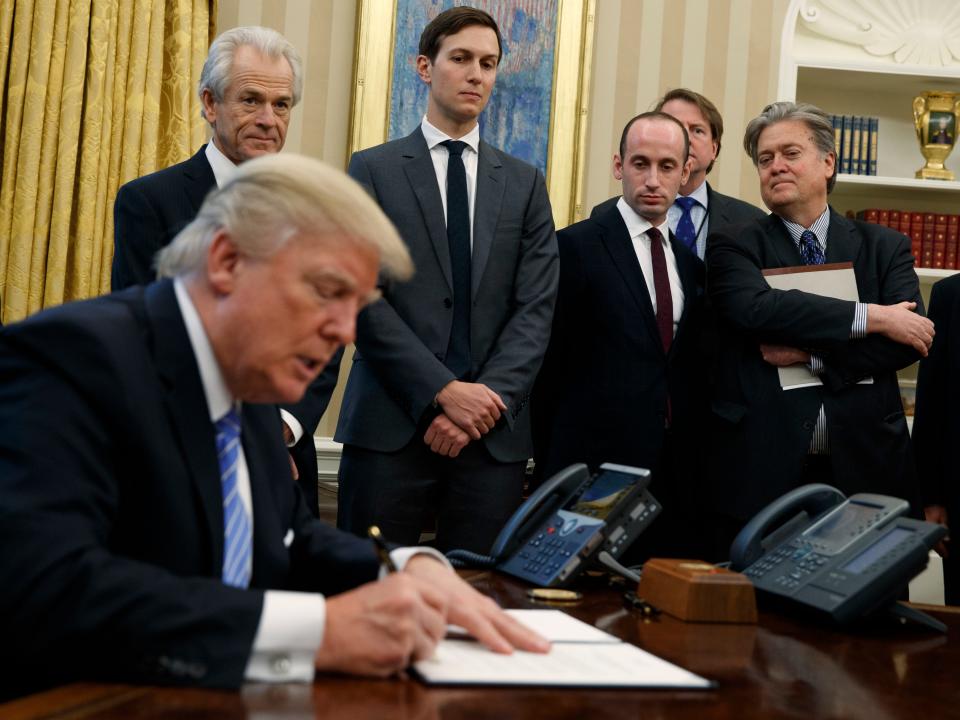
936 422
147 215
761 434
602 393
723 211
110 505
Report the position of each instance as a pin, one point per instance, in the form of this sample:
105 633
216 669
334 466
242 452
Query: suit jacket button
808 425
447 303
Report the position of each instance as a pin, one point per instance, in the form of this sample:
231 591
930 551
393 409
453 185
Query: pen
373 532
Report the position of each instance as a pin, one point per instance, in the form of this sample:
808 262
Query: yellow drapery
93 93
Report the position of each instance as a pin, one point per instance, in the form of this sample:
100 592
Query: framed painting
538 108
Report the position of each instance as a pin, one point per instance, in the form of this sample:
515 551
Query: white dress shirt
699 214
637 228
441 156
223 169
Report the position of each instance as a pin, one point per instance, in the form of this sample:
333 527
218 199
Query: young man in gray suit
698 208
435 419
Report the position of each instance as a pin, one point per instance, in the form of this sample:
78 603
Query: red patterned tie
661 286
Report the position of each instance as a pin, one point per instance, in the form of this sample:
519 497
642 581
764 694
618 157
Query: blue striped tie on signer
237 538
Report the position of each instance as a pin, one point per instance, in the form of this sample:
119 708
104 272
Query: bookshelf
830 57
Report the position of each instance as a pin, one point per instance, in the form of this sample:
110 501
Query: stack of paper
582 655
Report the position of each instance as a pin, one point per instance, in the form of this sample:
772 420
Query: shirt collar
219 399
637 225
223 168
820 228
700 194
434 137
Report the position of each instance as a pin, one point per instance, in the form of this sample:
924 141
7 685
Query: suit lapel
186 405
490 187
418 166
618 243
199 179
843 244
781 246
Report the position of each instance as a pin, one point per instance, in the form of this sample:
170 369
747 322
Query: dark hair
817 122
707 109
452 21
654 115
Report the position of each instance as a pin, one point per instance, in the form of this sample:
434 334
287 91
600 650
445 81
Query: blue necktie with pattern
686 231
237 538
810 251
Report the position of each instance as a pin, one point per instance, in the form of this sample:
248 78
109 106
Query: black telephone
843 557
568 521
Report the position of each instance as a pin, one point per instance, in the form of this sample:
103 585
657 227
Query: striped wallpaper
727 49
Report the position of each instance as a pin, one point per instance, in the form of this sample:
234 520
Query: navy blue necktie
810 251
458 236
237 538
686 231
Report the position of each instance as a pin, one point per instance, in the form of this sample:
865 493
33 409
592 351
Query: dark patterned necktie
661 286
458 236
810 251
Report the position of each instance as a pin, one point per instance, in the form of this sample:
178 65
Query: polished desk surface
780 668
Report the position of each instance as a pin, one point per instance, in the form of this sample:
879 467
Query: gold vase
936 116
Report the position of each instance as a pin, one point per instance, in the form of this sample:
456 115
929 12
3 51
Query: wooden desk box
696 591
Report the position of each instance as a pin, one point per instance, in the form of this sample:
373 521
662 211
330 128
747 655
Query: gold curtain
93 93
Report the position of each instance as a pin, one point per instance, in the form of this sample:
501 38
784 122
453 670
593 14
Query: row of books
934 238
855 138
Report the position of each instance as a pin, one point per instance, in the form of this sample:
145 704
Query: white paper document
581 656
836 280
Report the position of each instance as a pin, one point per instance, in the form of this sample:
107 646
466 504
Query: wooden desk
778 669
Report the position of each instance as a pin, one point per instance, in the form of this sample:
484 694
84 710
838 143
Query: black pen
373 532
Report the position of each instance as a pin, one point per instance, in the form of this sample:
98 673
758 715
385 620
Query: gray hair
272 198
816 120
218 66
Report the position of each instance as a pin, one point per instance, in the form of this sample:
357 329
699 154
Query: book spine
870 215
845 151
855 144
874 131
837 123
915 244
953 242
884 218
865 146
916 235
928 223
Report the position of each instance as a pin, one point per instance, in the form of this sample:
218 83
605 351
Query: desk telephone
843 557
568 521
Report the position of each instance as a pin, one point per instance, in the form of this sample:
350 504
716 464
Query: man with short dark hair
250 82
435 419
698 208
622 381
151 534
849 431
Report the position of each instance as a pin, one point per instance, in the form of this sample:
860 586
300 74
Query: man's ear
223 261
209 106
617 167
685 173
424 68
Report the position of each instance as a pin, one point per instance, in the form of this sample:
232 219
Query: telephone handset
845 557
567 521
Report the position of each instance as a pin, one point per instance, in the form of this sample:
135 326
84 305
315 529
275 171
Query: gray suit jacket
402 339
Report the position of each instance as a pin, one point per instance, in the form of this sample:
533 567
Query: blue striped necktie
810 250
237 545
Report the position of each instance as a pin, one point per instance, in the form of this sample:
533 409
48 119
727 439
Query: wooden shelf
880 183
